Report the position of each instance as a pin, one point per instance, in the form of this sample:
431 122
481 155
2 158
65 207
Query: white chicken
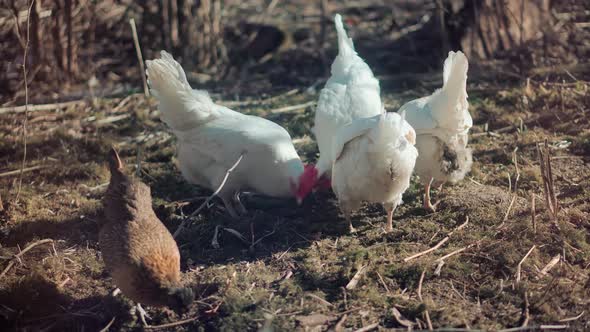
212 137
352 92
442 122
374 160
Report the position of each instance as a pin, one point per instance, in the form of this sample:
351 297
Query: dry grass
304 267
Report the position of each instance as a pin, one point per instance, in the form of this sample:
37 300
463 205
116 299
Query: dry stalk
369 327
39 108
426 314
519 267
139 57
533 213
313 296
438 245
164 326
383 283
293 108
544 154
18 256
24 129
21 171
356 278
206 202
569 319
525 311
401 319
550 265
339 327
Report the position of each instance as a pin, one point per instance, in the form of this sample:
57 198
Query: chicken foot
233 204
427 202
142 315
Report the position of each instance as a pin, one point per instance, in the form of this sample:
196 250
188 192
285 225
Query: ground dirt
295 275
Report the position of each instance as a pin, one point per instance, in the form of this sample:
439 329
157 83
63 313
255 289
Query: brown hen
137 248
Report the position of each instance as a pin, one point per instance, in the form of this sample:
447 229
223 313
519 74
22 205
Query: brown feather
137 248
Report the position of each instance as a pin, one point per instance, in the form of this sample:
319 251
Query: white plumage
374 160
212 137
442 122
352 92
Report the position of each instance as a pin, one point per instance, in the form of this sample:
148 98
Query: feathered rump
181 107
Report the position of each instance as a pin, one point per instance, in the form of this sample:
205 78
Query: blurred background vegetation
78 46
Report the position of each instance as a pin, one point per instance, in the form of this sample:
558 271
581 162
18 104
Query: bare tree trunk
483 27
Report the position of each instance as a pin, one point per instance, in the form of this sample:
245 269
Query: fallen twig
292 108
319 299
41 107
340 324
438 245
369 327
549 265
163 326
23 170
231 169
426 314
400 319
569 319
518 268
258 101
139 57
525 311
18 256
383 283
356 278
507 214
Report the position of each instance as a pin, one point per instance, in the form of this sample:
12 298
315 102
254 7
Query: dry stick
356 278
421 300
319 299
533 213
182 224
163 326
525 311
21 253
292 108
22 170
369 327
549 265
550 177
340 324
139 57
24 160
40 107
518 268
383 283
438 245
509 209
572 318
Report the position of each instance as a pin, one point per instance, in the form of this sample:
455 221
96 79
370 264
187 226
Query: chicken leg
427 202
390 208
